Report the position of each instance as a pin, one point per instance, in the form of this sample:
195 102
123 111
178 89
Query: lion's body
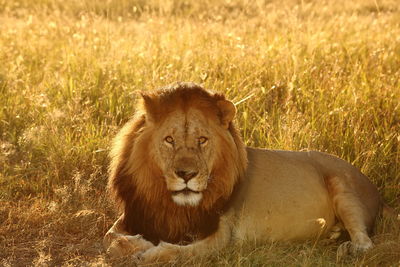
188 185
285 195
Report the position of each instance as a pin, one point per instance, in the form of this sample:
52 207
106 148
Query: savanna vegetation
321 75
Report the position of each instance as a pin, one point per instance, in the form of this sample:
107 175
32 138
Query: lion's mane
136 181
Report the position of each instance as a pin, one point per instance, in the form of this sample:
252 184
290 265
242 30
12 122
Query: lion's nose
186 175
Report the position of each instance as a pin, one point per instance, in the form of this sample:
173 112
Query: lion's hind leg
352 213
118 243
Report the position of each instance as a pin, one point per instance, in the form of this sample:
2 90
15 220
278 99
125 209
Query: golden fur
179 172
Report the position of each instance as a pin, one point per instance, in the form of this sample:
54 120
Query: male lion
187 185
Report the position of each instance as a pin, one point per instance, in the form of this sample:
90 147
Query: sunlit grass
313 75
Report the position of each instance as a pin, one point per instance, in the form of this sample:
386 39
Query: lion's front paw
128 245
164 252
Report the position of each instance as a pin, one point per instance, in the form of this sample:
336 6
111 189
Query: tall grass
318 75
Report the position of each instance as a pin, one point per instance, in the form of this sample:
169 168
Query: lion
187 184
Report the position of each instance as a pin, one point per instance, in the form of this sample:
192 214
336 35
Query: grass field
321 75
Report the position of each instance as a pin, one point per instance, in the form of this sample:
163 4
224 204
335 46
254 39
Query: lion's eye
203 140
169 140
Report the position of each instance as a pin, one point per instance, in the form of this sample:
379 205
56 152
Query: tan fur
179 171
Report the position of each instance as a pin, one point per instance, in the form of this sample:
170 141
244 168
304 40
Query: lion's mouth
187 197
185 191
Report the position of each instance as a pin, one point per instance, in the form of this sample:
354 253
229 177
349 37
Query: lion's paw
164 252
351 248
128 245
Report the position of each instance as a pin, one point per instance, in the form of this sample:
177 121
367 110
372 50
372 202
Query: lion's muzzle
189 191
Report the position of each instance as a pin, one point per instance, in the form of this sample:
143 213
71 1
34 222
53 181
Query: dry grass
321 75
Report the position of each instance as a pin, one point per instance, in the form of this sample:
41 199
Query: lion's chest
177 225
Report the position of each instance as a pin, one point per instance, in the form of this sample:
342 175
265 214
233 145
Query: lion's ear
149 106
228 112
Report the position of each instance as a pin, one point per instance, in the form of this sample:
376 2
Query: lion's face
185 149
180 151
